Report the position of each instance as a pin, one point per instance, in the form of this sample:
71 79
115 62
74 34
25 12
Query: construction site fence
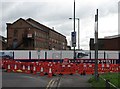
58 54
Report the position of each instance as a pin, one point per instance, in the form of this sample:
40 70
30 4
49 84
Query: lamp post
78 32
96 46
74 34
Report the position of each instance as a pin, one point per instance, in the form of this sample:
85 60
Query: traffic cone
41 72
8 68
28 70
23 68
34 70
15 68
50 73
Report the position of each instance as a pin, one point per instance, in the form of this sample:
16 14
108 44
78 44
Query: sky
56 13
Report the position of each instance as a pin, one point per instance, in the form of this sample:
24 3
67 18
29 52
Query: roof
108 37
114 36
28 20
37 25
34 25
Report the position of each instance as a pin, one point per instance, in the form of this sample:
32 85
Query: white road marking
49 83
52 84
30 77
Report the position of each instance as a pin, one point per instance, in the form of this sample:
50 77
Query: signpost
73 35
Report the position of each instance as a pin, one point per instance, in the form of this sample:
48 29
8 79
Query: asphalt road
23 80
56 82
75 81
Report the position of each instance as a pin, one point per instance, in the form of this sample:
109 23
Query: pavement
10 80
75 81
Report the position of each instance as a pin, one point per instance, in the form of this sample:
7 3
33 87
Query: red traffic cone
15 68
8 68
50 72
41 72
23 68
34 70
28 69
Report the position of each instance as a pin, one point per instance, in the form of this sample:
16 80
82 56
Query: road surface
31 81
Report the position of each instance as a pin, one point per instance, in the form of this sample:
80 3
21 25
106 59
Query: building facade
31 35
107 43
3 43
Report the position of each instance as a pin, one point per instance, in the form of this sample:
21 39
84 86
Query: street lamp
78 32
74 33
96 46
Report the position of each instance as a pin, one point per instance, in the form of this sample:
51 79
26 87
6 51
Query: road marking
30 77
49 83
52 83
27 76
58 82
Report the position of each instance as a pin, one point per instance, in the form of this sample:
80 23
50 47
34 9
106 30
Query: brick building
3 43
107 43
29 34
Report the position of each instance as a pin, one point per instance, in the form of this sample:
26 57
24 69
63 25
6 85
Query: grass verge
100 84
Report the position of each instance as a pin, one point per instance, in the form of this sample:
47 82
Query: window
15 42
15 33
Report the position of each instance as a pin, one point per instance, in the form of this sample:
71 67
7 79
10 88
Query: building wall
53 40
17 31
3 43
41 40
112 44
57 41
29 37
106 44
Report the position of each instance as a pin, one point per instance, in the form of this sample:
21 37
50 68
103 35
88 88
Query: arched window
15 41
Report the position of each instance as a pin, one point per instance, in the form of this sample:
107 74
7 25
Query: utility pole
78 35
74 32
96 46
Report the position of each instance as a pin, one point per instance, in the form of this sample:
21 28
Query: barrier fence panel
32 55
55 68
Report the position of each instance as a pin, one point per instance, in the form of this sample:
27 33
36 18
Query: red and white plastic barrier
54 68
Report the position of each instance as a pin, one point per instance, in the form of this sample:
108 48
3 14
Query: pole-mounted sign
73 37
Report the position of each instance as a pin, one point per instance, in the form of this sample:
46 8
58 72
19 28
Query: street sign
73 38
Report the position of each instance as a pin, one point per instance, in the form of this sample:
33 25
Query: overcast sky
56 13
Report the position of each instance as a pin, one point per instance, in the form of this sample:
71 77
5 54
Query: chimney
53 28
